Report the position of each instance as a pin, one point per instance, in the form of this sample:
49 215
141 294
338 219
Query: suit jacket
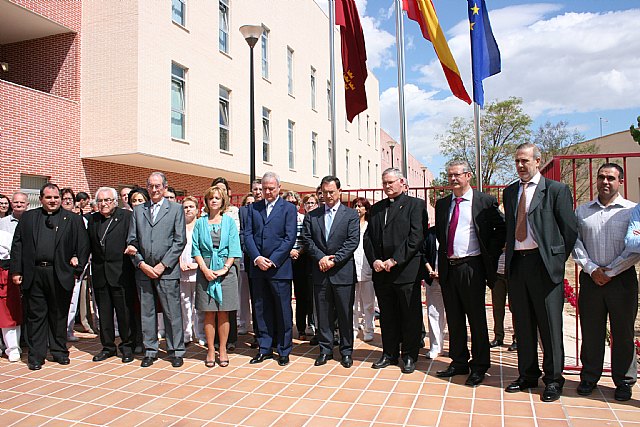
554 224
342 242
488 223
430 252
109 264
271 237
162 241
71 240
400 238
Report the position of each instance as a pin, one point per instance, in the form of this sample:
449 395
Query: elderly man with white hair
113 274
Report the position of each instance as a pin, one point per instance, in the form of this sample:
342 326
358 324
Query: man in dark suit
470 230
393 243
49 249
331 234
112 274
541 232
157 236
269 236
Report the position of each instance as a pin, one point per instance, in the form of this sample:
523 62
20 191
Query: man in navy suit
269 235
331 234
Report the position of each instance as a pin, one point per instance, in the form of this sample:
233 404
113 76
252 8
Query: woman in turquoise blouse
215 245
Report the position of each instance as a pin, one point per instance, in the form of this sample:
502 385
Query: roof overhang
18 23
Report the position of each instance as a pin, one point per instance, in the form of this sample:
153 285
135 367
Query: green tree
635 133
503 126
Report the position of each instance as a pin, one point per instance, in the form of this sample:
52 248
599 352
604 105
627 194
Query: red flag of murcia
354 57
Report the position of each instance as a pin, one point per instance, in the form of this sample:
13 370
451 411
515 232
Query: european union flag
485 55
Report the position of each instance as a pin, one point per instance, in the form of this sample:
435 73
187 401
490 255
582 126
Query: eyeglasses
456 175
389 182
108 200
67 199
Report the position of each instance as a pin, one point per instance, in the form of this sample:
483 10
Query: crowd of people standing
159 268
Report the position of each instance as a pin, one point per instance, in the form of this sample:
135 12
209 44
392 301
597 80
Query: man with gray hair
269 236
392 244
112 274
157 236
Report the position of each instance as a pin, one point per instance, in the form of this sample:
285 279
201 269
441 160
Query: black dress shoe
623 392
521 385
347 361
585 388
127 358
551 392
62 360
176 362
314 341
254 344
495 343
259 358
35 366
384 361
147 361
322 359
409 365
474 379
283 360
513 346
103 355
451 371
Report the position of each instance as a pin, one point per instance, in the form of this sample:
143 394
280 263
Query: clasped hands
326 263
379 265
264 263
600 277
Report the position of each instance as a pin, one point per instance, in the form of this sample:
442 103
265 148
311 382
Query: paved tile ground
111 393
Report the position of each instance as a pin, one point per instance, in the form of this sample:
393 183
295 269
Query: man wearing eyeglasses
49 249
392 243
112 274
157 236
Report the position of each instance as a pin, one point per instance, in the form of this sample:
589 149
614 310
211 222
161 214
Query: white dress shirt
271 205
601 232
465 242
530 241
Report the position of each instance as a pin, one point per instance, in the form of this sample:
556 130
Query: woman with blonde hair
215 245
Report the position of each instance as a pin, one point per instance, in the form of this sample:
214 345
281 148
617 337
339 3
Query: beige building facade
165 85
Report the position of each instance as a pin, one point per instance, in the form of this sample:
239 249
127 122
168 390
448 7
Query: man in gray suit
331 234
157 236
541 232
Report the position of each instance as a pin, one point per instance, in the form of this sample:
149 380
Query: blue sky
569 60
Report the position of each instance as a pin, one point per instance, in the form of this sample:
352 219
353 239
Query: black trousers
537 305
400 317
121 300
334 302
618 300
303 292
47 306
464 299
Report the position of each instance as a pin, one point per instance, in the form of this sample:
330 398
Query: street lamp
424 176
251 34
391 144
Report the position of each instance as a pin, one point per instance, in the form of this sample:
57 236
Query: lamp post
424 176
391 145
251 34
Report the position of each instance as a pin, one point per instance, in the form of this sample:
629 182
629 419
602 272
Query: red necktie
453 224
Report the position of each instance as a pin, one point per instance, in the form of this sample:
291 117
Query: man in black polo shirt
50 247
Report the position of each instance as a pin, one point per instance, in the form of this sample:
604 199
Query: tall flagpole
401 111
332 83
476 125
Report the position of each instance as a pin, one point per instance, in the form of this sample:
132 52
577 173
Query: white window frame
314 154
183 12
346 165
223 26
330 151
313 84
181 81
264 49
290 68
291 143
224 128
266 135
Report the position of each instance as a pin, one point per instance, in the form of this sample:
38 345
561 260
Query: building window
313 88
314 154
224 118
30 185
178 112
264 46
179 11
223 43
368 134
359 133
359 171
290 70
290 126
330 152
375 135
346 165
266 134
369 173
